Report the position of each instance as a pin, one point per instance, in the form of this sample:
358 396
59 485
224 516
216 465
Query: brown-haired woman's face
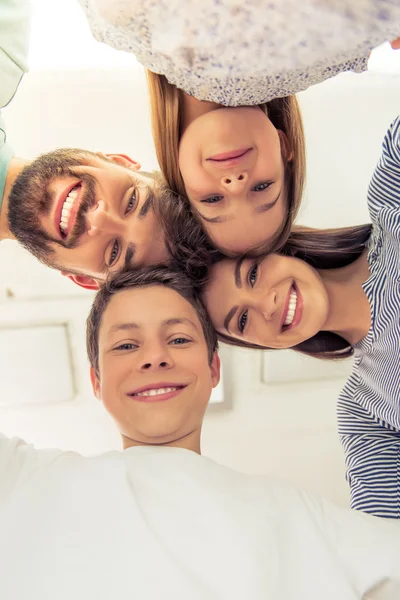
231 163
277 302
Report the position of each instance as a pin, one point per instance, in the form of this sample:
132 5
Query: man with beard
83 213
86 214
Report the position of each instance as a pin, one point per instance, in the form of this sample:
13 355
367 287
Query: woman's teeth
66 209
291 308
157 392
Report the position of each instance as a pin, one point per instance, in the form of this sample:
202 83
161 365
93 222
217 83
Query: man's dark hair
139 278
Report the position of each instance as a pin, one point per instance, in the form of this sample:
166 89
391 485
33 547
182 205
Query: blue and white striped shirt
369 404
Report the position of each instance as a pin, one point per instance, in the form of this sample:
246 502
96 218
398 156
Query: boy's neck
191 441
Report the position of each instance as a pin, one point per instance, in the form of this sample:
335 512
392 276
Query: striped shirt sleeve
384 189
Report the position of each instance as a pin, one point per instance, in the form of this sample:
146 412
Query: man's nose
235 181
100 220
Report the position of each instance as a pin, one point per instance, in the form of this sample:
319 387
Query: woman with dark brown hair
332 294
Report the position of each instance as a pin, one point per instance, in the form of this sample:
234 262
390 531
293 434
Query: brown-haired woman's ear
286 150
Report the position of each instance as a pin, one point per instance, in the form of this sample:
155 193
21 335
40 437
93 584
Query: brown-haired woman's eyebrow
214 219
268 205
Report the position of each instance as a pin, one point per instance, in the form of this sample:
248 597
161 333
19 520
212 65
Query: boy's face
154 379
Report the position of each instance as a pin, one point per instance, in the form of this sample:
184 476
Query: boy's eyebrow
167 322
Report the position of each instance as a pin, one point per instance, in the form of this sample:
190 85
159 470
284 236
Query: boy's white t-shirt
165 523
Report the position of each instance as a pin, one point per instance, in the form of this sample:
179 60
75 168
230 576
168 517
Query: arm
15 17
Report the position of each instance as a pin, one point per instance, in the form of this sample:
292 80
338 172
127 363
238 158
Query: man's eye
260 187
212 199
114 253
253 274
131 204
242 321
179 341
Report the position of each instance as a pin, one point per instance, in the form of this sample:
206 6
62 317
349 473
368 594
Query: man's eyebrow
229 316
267 206
130 253
147 204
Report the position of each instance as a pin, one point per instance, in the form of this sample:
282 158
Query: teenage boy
158 520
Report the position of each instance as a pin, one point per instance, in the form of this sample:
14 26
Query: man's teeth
157 392
291 308
66 209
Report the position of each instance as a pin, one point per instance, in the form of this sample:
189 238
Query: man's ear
215 369
82 280
95 383
286 149
122 159
395 44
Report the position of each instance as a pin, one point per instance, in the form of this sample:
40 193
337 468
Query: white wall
282 429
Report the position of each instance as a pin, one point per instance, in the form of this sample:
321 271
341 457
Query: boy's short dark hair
139 278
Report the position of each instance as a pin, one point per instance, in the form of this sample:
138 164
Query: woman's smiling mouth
293 309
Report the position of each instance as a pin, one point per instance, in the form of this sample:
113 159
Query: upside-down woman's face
277 302
232 166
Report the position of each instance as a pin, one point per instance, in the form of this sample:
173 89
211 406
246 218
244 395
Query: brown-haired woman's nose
237 180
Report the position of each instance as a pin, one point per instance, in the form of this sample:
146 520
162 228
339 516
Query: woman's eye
179 341
114 253
260 187
253 274
126 346
212 199
131 203
243 321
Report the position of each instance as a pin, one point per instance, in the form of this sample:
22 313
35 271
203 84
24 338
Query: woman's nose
234 181
99 220
268 305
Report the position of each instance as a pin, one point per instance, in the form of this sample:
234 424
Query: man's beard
30 202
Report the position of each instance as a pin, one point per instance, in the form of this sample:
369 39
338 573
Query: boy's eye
179 341
126 346
212 199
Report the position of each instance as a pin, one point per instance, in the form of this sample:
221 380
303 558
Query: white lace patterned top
243 52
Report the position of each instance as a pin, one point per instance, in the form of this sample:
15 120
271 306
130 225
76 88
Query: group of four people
158 519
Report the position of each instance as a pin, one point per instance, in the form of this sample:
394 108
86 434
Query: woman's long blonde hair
166 103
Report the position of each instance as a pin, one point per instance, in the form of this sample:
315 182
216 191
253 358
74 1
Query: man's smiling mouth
67 209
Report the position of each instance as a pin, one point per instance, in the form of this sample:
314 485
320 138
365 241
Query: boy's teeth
156 392
291 308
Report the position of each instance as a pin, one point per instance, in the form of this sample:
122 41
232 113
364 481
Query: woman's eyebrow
214 219
268 205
